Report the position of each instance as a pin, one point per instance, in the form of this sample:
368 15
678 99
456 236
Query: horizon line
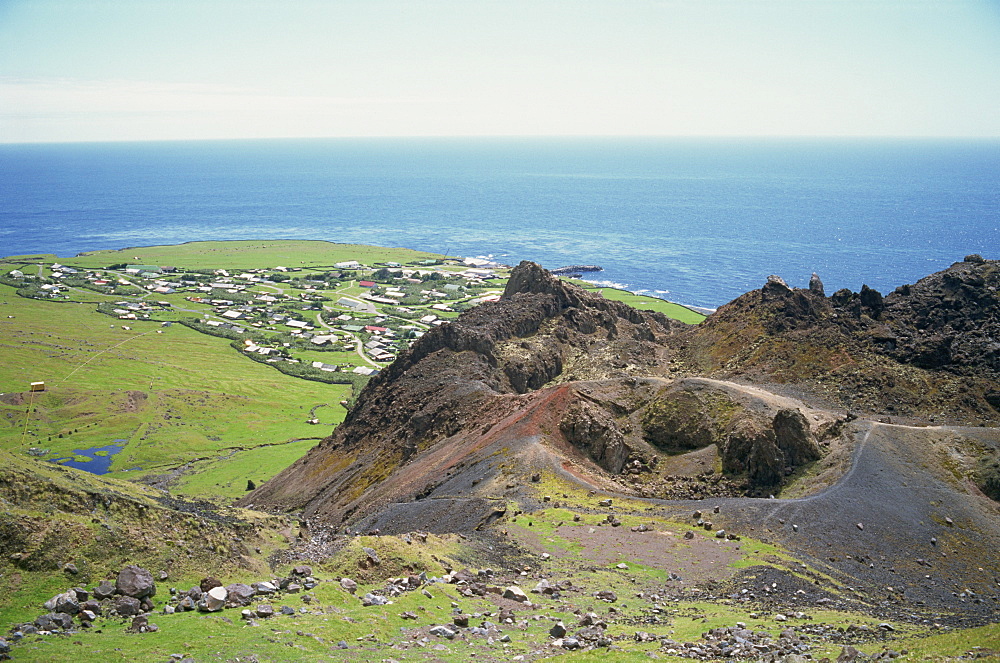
957 137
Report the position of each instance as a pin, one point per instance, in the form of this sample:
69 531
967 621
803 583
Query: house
376 330
297 324
364 370
366 284
354 329
233 315
37 386
143 269
349 303
381 300
350 264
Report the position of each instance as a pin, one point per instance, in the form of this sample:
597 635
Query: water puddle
98 459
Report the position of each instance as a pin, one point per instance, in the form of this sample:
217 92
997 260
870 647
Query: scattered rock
442 632
127 606
239 594
213 600
104 590
515 593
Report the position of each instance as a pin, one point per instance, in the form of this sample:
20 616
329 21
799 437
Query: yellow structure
37 386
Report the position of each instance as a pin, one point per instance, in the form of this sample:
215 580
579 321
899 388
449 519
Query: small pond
98 458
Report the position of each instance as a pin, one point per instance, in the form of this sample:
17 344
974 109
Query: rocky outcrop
594 430
925 349
460 376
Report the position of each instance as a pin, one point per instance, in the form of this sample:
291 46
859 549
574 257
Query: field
247 254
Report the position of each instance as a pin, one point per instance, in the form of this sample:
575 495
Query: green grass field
173 394
646 303
248 254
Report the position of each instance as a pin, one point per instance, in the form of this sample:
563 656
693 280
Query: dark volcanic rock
460 376
594 430
136 582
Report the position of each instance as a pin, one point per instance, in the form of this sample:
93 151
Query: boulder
213 600
54 621
515 593
373 599
442 632
265 588
302 571
139 624
594 430
104 590
208 583
239 594
127 606
264 610
349 585
136 582
816 285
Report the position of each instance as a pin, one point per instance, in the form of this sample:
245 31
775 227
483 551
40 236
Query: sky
107 70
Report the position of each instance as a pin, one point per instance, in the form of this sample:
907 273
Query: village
349 318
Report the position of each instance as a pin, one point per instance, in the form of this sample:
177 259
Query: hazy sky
165 69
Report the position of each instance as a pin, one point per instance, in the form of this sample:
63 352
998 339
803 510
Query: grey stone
349 585
104 590
136 582
372 556
127 606
239 594
442 632
370 599
265 588
816 285
213 600
264 610
558 630
515 593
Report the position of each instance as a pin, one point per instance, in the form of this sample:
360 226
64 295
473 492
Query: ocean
698 221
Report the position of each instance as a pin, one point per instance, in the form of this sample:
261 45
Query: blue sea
698 221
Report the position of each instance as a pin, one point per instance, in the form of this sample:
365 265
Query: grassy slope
379 632
162 392
53 515
249 255
647 303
